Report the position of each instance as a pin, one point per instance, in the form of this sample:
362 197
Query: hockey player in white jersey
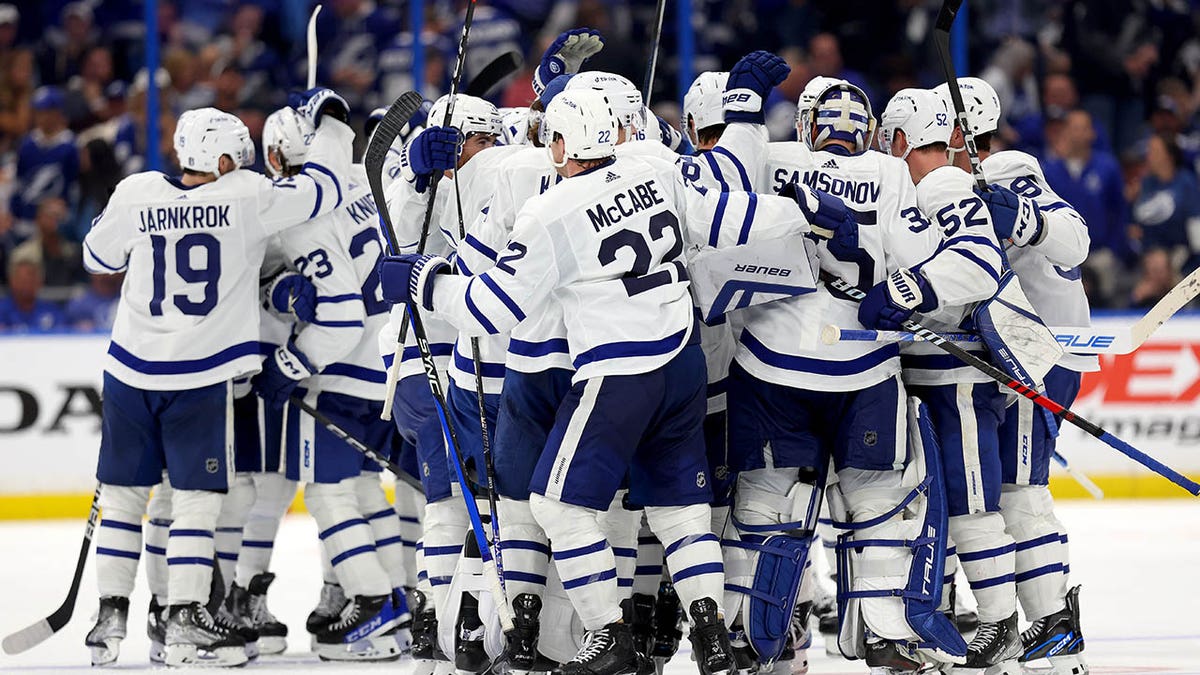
339 374
965 406
191 249
1049 242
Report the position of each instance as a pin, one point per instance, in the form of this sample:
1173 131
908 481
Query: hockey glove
750 82
670 137
314 104
404 278
292 293
566 55
829 219
1014 217
281 373
434 149
892 302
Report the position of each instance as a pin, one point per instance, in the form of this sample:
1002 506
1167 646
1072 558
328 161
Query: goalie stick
331 426
1037 397
493 74
941 38
41 630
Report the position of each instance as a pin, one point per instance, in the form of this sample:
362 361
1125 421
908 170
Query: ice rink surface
1138 562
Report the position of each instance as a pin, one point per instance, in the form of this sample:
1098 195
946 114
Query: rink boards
50 422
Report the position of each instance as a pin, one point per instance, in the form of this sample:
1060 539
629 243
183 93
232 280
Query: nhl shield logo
701 480
211 465
870 438
425 468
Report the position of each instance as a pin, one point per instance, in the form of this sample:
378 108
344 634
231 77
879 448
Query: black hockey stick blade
41 630
500 69
398 114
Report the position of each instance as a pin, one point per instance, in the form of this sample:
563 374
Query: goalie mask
804 104
841 112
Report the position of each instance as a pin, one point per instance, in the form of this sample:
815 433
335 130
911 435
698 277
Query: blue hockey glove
670 137
404 278
292 293
314 104
750 82
566 55
1014 217
829 219
281 373
434 149
892 302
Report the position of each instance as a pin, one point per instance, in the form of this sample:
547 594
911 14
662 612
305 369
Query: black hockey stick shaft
660 11
377 457
1030 393
493 74
41 630
941 38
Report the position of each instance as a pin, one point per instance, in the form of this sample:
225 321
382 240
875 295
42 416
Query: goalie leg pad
119 538
584 560
1041 548
891 555
346 537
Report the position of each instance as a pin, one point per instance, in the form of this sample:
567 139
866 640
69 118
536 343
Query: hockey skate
964 618
404 619
1058 639
363 632
520 651
745 661
424 631
156 630
329 607
638 611
993 650
824 609
240 627
251 605
885 657
104 639
195 639
668 625
605 651
710 639
469 655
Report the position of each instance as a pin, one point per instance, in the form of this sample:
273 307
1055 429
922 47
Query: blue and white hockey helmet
980 101
923 116
841 112
288 134
203 135
585 120
702 104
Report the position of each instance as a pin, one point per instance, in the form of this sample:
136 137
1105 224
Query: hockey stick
1073 340
358 445
493 74
941 38
1003 378
41 630
389 127
652 64
1080 477
312 47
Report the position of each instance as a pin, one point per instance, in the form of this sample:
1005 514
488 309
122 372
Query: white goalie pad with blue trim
767 613
892 560
1018 340
752 274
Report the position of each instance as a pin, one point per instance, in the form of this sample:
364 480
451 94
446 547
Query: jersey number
950 221
208 274
372 299
638 279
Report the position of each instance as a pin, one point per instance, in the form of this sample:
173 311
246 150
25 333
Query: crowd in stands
1105 92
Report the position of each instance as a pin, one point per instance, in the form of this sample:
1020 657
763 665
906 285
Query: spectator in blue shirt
1167 202
47 161
22 311
96 309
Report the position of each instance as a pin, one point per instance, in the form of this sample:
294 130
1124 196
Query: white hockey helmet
842 112
805 103
702 103
923 116
288 133
203 135
623 96
585 120
980 101
516 125
472 115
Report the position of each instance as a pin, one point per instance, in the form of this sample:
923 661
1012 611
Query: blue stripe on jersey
479 316
974 239
317 203
182 367
714 232
621 350
487 369
102 263
356 372
804 364
337 324
716 169
345 297
1055 206
533 349
738 165
976 259
504 297
318 167
864 217
462 267
751 207
480 246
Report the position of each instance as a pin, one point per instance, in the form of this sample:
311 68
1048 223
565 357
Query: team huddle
625 321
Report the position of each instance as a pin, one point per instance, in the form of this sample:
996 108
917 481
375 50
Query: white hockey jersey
189 302
607 245
339 253
1049 271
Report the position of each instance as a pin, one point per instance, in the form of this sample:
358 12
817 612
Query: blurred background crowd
1105 92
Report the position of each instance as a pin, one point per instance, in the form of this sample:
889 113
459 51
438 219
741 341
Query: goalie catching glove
404 278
